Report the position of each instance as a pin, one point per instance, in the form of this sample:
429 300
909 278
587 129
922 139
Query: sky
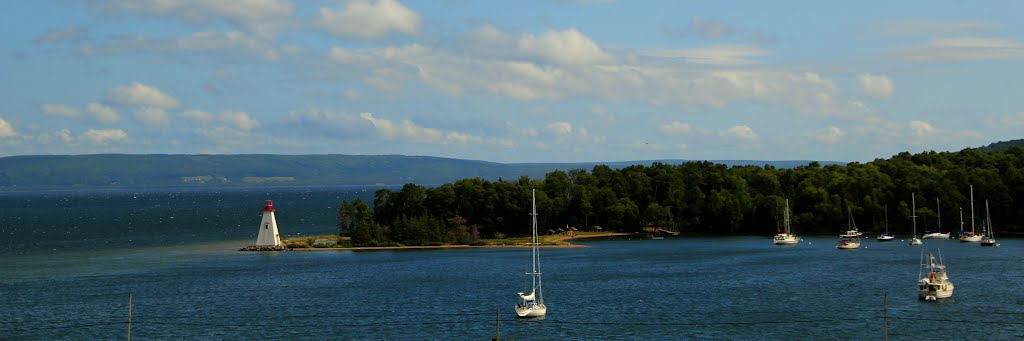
511 81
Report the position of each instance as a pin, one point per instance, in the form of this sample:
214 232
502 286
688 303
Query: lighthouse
268 239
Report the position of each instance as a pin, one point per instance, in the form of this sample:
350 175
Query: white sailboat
935 284
851 238
532 304
787 237
885 237
913 215
938 233
972 235
990 237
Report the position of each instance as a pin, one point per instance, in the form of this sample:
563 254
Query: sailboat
787 237
885 237
851 238
938 233
532 304
990 238
935 284
972 235
913 215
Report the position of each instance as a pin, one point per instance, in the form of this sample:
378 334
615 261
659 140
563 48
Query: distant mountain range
1002 145
160 170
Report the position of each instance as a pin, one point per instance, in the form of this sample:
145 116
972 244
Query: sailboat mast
972 210
988 218
913 212
887 219
536 256
938 208
785 216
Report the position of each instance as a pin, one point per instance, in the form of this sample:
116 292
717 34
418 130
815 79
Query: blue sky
525 81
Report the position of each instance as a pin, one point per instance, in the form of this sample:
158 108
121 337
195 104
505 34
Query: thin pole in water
885 315
497 324
129 316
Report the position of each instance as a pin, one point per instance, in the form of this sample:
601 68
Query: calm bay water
68 265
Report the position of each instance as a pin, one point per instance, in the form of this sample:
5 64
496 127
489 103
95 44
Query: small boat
935 284
913 215
787 237
885 237
532 304
851 238
936 234
990 238
972 235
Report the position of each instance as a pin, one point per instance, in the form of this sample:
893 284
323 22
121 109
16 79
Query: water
686 288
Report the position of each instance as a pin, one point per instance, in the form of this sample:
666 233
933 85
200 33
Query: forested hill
153 171
707 198
1002 145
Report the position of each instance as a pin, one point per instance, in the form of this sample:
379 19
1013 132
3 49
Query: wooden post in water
129 316
885 316
497 324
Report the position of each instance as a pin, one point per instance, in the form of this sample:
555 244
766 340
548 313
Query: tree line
704 198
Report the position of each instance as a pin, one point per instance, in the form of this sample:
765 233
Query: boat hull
885 238
534 311
929 291
848 245
936 236
970 239
786 240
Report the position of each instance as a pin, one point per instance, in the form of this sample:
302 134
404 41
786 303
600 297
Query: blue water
686 288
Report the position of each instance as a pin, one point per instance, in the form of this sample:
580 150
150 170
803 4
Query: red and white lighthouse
268 237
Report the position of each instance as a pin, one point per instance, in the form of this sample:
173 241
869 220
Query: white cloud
723 55
141 94
351 94
922 128
216 44
6 130
560 130
104 136
742 132
239 120
407 131
680 146
829 135
102 113
261 16
365 19
60 110
964 49
563 47
675 128
196 115
151 116
879 86
710 28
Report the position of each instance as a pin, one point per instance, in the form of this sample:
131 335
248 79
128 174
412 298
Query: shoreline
564 239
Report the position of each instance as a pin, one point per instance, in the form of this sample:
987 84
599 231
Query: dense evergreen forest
704 198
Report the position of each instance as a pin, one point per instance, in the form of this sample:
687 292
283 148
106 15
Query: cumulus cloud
723 55
261 16
879 86
560 130
365 19
922 128
60 110
141 94
829 135
104 136
563 47
151 116
407 131
6 130
102 113
675 128
239 120
196 115
742 132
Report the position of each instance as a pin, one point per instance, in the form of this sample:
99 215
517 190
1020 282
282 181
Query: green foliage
709 198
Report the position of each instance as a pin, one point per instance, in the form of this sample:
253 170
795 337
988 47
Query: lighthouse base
265 248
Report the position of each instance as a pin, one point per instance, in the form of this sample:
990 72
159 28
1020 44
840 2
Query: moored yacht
935 284
786 237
